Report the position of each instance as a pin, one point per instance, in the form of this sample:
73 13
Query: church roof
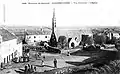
6 35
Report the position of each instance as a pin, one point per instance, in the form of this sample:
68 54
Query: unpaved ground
61 58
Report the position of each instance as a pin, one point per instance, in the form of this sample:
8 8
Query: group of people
43 59
29 68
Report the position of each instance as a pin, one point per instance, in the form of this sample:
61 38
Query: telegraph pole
4 13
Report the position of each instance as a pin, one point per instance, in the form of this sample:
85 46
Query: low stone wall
66 70
112 68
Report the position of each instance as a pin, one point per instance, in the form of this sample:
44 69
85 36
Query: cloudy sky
104 13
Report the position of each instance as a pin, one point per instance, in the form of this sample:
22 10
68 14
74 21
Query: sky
104 13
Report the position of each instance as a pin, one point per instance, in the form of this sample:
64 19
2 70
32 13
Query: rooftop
6 35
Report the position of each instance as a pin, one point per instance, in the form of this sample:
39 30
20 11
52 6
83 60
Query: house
112 36
31 39
10 47
42 35
116 35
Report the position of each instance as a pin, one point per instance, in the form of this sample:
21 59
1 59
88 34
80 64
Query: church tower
53 40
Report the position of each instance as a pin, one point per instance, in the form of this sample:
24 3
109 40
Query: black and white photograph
59 37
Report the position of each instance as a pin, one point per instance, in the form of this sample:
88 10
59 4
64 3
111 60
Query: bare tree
62 42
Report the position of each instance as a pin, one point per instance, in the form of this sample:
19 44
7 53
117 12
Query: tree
100 39
62 42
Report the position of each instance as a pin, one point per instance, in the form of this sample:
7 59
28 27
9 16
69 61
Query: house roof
34 32
6 35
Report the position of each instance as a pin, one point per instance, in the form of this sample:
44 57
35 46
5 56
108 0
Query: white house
31 39
9 46
116 35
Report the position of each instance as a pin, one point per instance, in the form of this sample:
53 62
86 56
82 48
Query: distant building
10 47
112 36
116 35
31 39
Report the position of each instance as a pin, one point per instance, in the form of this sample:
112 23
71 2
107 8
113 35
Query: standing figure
36 56
44 58
68 53
39 54
42 62
28 67
31 69
35 68
55 63
26 70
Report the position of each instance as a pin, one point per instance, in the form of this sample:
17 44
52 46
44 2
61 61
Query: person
28 55
34 68
26 70
43 57
55 63
68 53
31 69
42 62
36 56
1 65
39 54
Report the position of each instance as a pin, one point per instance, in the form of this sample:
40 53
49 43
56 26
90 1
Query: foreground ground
16 68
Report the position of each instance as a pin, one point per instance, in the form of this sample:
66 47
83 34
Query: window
29 37
0 41
45 36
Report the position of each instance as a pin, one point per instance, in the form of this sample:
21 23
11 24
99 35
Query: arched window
73 44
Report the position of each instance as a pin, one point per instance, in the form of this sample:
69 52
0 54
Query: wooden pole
4 60
7 59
